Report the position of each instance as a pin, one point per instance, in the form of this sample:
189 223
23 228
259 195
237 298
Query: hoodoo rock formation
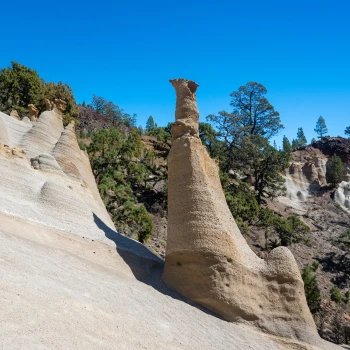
32 112
207 258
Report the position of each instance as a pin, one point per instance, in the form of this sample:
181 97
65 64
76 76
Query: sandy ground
60 291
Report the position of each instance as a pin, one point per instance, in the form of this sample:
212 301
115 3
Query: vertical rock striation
207 258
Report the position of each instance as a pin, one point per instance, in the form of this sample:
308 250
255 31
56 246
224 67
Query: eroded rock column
207 258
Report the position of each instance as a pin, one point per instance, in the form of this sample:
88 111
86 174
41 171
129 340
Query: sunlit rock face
307 172
207 258
342 194
46 178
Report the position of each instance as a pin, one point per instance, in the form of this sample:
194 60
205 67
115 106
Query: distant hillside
91 121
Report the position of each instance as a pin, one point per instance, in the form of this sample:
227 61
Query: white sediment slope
67 279
342 194
46 178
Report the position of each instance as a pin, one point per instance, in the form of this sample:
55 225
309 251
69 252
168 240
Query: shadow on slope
146 267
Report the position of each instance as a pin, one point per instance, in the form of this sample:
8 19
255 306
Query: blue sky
126 51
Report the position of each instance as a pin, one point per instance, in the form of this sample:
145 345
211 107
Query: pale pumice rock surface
61 291
53 182
207 258
342 194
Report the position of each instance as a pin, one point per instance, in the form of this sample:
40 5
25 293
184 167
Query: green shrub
312 292
315 265
335 170
335 294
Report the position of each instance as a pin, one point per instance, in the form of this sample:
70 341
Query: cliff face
46 178
207 259
334 145
307 173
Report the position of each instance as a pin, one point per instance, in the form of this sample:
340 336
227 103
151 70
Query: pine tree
347 131
19 86
321 128
301 139
150 124
312 292
335 294
335 170
275 144
287 147
294 144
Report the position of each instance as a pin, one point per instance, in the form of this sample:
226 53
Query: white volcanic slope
61 191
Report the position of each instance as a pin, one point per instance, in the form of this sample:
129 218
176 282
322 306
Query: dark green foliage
208 137
346 297
335 294
252 112
240 199
312 292
347 131
82 134
342 260
62 91
124 169
160 134
321 128
267 165
252 117
19 86
335 170
150 124
240 143
140 130
301 139
287 147
109 108
280 231
315 265
290 230
82 145
295 144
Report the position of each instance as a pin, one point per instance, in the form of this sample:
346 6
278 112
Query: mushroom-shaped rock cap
184 85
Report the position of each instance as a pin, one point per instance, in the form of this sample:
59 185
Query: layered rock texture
207 258
306 175
45 177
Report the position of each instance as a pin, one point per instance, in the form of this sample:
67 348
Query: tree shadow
338 265
145 266
328 262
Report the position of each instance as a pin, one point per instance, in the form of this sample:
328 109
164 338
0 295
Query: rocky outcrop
342 194
307 173
32 113
45 162
14 114
49 105
334 145
186 115
59 104
46 178
207 258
